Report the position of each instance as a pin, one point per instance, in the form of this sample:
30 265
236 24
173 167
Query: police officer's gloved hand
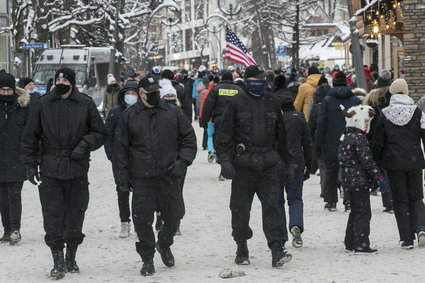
32 175
382 184
227 170
178 167
307 173
289 174
80 151
125 188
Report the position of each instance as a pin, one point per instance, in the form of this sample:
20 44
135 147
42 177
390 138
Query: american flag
236 50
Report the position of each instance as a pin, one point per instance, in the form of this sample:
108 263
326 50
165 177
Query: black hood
320 93
340 92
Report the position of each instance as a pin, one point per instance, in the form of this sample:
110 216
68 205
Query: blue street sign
281 50
35 46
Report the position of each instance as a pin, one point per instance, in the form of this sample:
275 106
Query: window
188 10
199 9
189 40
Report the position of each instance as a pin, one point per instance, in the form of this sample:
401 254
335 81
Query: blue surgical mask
256 87
31 91
130 99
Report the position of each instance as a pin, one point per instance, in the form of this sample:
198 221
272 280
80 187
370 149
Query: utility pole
296 49
113 50
355 46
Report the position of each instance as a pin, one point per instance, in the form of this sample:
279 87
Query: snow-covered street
206 246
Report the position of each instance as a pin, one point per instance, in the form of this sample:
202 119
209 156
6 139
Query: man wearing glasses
153 146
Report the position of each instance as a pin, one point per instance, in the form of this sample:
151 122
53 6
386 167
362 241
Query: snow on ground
206 246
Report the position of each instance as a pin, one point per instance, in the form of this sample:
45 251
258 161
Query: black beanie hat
168 74
66 73
7 80
323 80
313 70
384 79
227 76
23 82
340 79
279 81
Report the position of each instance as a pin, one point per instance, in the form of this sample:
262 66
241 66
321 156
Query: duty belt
241 148
57 152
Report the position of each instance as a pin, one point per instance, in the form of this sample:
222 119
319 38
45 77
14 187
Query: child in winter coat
359 172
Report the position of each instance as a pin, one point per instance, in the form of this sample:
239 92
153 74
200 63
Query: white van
91 66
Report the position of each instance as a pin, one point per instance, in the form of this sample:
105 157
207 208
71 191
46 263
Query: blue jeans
210 130
294 195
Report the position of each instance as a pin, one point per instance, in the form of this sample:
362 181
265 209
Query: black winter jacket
217 101
186 100
359 170
13 117
298 139
331 121
398 135
149 140
61 125
256 123
112 122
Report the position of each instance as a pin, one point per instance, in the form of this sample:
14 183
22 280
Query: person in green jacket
110 97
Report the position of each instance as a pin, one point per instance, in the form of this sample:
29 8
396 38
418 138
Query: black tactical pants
331 181
124 205
265 184
146 192
11 205
358 225
409 210
64 203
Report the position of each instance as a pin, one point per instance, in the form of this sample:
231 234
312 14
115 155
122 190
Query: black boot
242 253
58 271
166 255
71 264
279 255
148 269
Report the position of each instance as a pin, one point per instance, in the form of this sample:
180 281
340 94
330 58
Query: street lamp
230 11
216 28
176 9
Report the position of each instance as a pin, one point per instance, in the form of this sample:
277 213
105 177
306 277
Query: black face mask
171 101
61 89
153 98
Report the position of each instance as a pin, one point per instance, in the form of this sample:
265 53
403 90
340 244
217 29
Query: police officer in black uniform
153 146
246 146
63 127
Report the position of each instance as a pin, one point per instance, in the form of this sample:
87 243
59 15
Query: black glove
289 174
80 151
125 188
32 175
178 167
227 170
307 173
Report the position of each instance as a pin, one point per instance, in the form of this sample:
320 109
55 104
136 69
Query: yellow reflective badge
227 92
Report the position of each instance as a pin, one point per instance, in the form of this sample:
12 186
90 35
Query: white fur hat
166 88
357 116
111 79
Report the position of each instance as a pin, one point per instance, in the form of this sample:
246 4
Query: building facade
5 36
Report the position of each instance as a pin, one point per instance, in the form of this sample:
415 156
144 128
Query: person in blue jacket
127 97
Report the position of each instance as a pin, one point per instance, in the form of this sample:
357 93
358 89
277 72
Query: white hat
399 86
357 116
111 79
166 88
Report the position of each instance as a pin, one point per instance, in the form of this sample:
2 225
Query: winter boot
365 250
166 255
297 241
280 256
148 269
332 207
421 239
242 253
211 157
125 230
407 245
158 224
5 238
221 178
71 264
15 237
58 271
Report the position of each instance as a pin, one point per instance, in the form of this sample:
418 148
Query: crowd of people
268 130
